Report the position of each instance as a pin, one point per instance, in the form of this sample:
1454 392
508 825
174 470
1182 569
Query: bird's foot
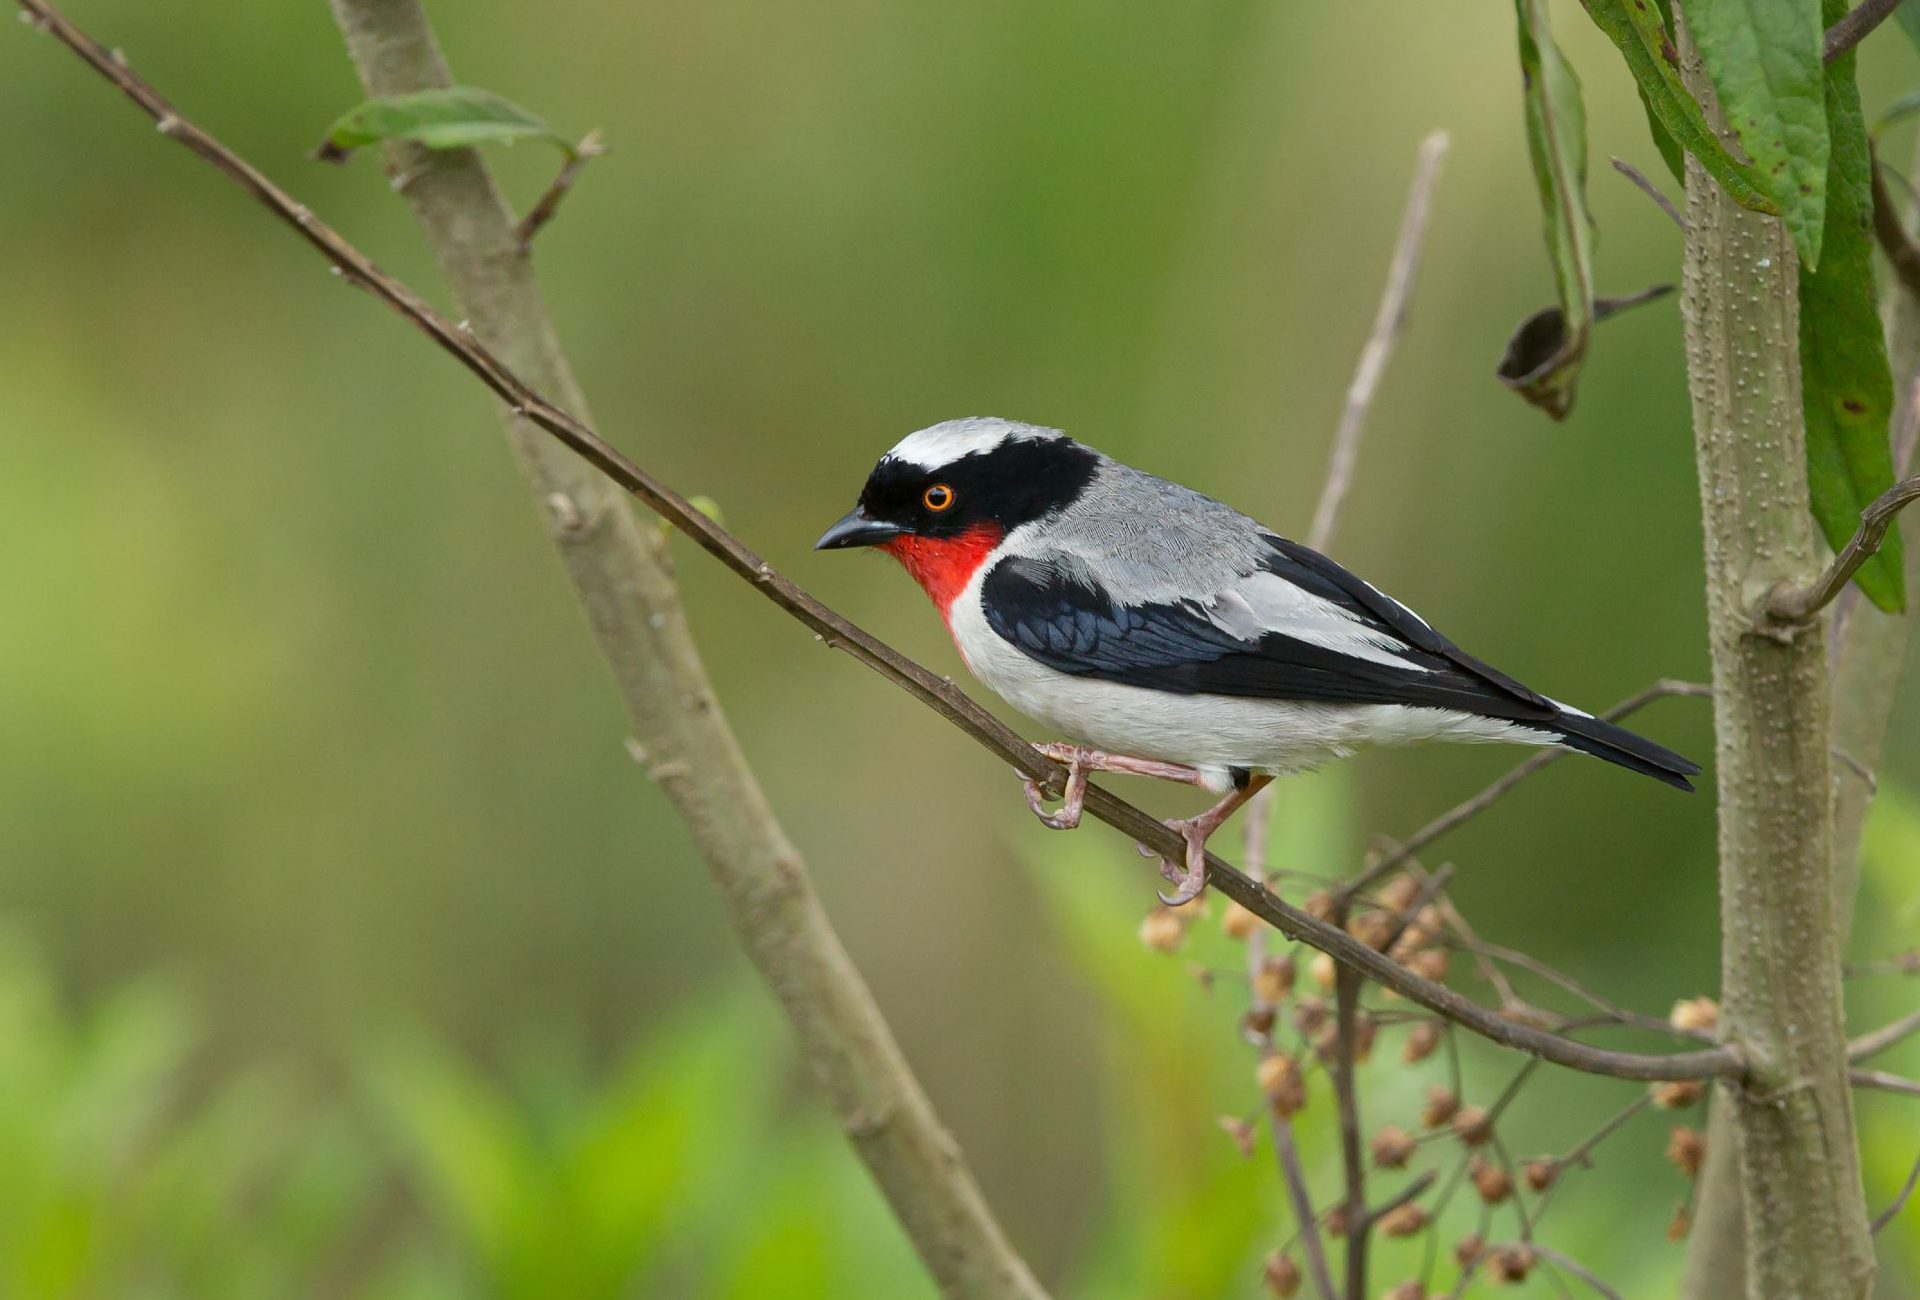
1189 877
1081 760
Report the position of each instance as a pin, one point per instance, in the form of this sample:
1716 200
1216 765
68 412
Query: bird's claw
1073 798
1189 881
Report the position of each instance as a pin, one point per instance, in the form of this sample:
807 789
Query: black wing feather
1069 626
1061 621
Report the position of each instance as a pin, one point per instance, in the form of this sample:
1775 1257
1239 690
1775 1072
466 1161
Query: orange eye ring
937 498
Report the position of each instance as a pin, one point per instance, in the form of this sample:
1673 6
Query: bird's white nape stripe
946 442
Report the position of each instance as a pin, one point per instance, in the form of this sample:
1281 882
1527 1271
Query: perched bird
1169 635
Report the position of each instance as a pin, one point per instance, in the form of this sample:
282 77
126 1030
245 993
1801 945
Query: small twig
1854 26
1579 1155
1879 1040
542 212
1901 963
931 689
1388 322
1574 1267
1613 1010
1430 889
1495 977
1512 1090
1464 812
1881 1081
1903 254
1652 191
1887 1215
1347 1096
1412 1191
1296 1179
1790 604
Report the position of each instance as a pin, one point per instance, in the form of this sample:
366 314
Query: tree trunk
619 571
1792 1120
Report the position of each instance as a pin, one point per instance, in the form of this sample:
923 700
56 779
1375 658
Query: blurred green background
346 952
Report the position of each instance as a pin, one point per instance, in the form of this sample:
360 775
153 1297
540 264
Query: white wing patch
1264 603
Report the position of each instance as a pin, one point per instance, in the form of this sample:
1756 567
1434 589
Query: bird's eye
938 497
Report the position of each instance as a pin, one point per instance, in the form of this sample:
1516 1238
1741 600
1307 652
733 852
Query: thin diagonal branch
1574 1267
1892 1211
1879 1040
1388 322
1413 1191
1288 1153
1854 27
1791 604
1652 191
1903 253
936 692
1881 1081
549 203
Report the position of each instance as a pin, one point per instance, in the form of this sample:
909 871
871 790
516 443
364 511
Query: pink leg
1195 831
1081 760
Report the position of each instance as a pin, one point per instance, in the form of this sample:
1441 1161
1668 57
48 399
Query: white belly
1210 732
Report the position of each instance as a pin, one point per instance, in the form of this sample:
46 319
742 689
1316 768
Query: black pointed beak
857 529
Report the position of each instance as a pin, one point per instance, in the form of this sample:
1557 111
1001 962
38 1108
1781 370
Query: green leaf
1640 31
456 118
1909 15
1764 59
1557 142
1670 151
1846 386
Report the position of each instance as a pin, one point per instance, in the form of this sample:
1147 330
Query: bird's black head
963 478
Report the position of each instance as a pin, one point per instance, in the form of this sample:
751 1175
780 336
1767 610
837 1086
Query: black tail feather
1618 745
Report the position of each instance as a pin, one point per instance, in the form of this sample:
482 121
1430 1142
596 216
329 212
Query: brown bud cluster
1468 1249
1441 1106
1258 1021
1274 980
1492 1181
1240 1131
1372 927
1397 895
1163 930
1428 964
1365 1030
1681 1225
1282 1275
1238 922
1335 1220
1323 972
1695 1015
1511 1263
1542 1173
1473 1126
1686 1148
1677 1094
1403 1221
1420 1043
1275 1071
1310 1015
1393 1146
1319 905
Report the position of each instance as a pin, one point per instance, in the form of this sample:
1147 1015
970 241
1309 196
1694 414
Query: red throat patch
944 565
